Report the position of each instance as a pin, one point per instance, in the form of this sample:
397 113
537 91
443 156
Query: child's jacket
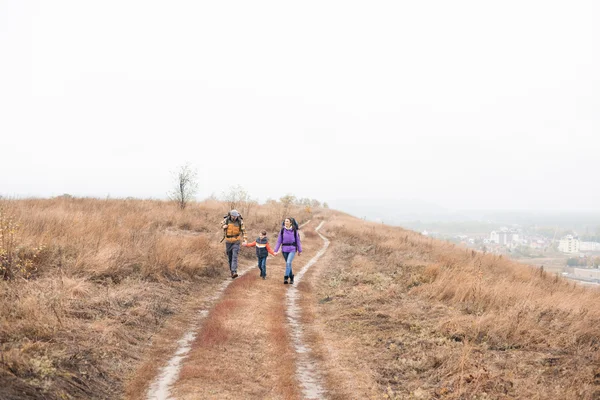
262 247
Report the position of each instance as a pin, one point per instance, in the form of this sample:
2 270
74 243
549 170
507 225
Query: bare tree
287 202
305 201
238 198
186 185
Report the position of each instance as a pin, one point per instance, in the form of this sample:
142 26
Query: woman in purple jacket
289 241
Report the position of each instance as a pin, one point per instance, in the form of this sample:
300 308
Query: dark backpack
295 228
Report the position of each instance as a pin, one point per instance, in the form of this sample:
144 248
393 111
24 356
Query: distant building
504 237
569 244
494 237
589 246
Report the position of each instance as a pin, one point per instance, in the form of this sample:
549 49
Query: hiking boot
264 277
234 275
292 279
285 278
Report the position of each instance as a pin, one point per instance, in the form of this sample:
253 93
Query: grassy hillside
406 316
92 283
100 291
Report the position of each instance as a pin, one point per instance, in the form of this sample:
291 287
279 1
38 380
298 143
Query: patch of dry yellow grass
425 319
109 277
345 375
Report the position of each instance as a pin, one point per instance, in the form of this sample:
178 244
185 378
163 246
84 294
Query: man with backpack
233 231
289 241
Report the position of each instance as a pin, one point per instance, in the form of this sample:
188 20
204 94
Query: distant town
569 254
561 242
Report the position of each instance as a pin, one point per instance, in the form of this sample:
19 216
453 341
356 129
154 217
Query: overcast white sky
462 104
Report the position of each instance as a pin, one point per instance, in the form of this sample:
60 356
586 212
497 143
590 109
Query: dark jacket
262 247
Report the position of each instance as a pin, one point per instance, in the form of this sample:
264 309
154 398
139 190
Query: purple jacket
288 237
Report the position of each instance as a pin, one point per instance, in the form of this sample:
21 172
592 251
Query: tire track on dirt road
307 371
160 388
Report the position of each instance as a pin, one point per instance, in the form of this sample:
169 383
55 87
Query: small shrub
15 259
185 226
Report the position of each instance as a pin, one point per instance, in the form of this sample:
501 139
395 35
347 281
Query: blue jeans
289 257
262 265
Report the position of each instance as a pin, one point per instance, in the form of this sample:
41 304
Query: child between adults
262 251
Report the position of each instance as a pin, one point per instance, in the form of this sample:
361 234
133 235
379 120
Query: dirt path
307 371
247 341
161 387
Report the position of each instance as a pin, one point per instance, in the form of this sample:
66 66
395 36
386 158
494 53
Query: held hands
224 226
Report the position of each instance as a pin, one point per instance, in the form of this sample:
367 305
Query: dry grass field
96 294
395 314
93 284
